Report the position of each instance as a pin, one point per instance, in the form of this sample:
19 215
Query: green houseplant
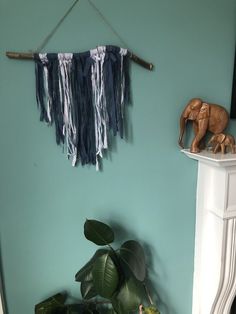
118 275
113 281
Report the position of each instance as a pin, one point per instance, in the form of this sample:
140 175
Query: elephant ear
195 104
204 111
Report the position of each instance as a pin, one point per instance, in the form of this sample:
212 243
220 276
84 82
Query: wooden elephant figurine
205 117
221 142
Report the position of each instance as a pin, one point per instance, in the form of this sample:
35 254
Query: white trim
227 287
218 160
214 286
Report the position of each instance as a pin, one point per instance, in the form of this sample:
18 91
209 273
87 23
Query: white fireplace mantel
214 286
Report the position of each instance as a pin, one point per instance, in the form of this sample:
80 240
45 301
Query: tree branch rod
30 56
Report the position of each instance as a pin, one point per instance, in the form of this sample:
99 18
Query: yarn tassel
117 85
126 74
99 100
83 100
109 63
125 80
55 92
66 101
43 96
122 88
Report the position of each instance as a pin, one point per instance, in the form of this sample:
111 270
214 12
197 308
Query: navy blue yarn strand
109 90
86 125
56 102
40 92
126 69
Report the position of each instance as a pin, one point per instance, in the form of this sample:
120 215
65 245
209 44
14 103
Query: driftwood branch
20 55
144 64
30 56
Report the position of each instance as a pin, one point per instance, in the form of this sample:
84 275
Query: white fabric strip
69 128
99 100
44 60
123 52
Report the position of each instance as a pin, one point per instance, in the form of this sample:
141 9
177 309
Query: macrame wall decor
83 94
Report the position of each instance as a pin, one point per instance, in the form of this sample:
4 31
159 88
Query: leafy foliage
129 297
56 305
118 276
51 304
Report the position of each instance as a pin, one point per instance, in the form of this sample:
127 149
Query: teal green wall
146 184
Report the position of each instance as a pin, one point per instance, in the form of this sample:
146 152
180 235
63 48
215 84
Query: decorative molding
227 286
214 287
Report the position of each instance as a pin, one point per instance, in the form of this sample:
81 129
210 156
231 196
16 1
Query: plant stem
111 248
115 254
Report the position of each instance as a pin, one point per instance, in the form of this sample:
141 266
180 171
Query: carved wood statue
205 117
220 142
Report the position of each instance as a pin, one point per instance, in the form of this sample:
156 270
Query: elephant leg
202 143
195 128
216 148
232 146
201 129
222 148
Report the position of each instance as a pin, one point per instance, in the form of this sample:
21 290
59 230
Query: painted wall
146 184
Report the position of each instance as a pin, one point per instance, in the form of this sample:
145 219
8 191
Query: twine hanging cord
25 55
135 58
53 31
95 8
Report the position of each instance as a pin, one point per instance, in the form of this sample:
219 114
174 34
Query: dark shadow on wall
152 278
162 301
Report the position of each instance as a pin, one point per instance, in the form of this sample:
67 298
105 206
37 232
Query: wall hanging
83 94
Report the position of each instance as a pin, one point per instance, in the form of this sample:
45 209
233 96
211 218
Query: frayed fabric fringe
84 95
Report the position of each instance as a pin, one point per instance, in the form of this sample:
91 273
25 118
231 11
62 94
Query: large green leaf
87 290
105 276
98 232
132 254
54 303
129 297
85 273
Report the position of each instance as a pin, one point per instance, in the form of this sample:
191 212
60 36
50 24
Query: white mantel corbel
214 286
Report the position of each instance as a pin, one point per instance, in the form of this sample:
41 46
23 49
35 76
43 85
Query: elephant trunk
182 123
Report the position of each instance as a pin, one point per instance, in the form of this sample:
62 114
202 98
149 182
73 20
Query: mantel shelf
218 160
